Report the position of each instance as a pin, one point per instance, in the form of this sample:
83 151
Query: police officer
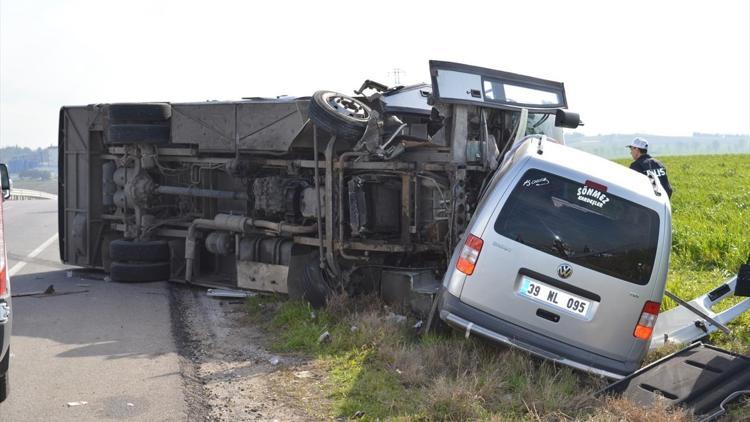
646 164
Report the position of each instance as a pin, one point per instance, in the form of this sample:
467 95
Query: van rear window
583 224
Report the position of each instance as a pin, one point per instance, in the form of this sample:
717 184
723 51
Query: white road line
20 264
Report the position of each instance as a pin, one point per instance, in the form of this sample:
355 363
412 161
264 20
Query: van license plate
557 298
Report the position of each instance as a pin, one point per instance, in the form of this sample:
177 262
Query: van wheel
139 272
339 114
139 112
138 133
145 251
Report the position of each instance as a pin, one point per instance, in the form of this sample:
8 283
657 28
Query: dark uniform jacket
649 165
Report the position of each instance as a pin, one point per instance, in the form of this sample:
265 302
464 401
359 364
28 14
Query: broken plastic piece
683 325
325 337
77 403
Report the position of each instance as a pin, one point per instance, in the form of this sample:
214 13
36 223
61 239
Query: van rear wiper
559 245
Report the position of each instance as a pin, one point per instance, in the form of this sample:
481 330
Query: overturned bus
295 195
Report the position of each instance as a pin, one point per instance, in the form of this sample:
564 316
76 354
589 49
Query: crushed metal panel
262 277
681 325
700 377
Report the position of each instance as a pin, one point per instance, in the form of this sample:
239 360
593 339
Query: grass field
381 368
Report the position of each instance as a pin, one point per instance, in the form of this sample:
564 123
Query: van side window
582 224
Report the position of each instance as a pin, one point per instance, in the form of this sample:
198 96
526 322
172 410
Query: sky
658 67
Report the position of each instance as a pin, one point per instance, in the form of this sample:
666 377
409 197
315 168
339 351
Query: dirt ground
229 372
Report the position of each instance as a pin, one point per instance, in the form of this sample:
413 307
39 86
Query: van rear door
565 258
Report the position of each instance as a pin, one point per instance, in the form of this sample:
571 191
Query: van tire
132 133
344 126
139 272
144 251
5 377
139 112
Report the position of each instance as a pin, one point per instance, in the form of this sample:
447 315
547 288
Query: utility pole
397 75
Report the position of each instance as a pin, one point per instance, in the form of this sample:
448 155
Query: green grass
357 380
383 369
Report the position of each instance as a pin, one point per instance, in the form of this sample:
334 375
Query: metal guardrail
24 194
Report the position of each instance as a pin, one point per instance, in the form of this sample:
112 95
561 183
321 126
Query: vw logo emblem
564 271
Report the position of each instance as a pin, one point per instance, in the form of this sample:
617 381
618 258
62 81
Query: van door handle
547 315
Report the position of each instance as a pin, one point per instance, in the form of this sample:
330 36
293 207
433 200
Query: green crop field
374 368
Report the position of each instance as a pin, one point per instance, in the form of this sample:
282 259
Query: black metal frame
485 74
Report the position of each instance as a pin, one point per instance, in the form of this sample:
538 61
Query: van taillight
469 255
645 326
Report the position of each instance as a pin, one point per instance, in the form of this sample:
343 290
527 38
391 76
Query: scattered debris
49 291
107 279
354 328
82 285
325 337
229 293
304 374
130 405
358 414
313 315
700 377
274 360
418 325
69 274
77 403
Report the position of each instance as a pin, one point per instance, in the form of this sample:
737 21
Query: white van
566 257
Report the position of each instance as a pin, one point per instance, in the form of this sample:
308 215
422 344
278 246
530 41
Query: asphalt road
111 346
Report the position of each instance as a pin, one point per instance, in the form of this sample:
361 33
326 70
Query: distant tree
9 153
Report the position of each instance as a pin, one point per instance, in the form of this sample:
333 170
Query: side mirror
567 119
5 181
